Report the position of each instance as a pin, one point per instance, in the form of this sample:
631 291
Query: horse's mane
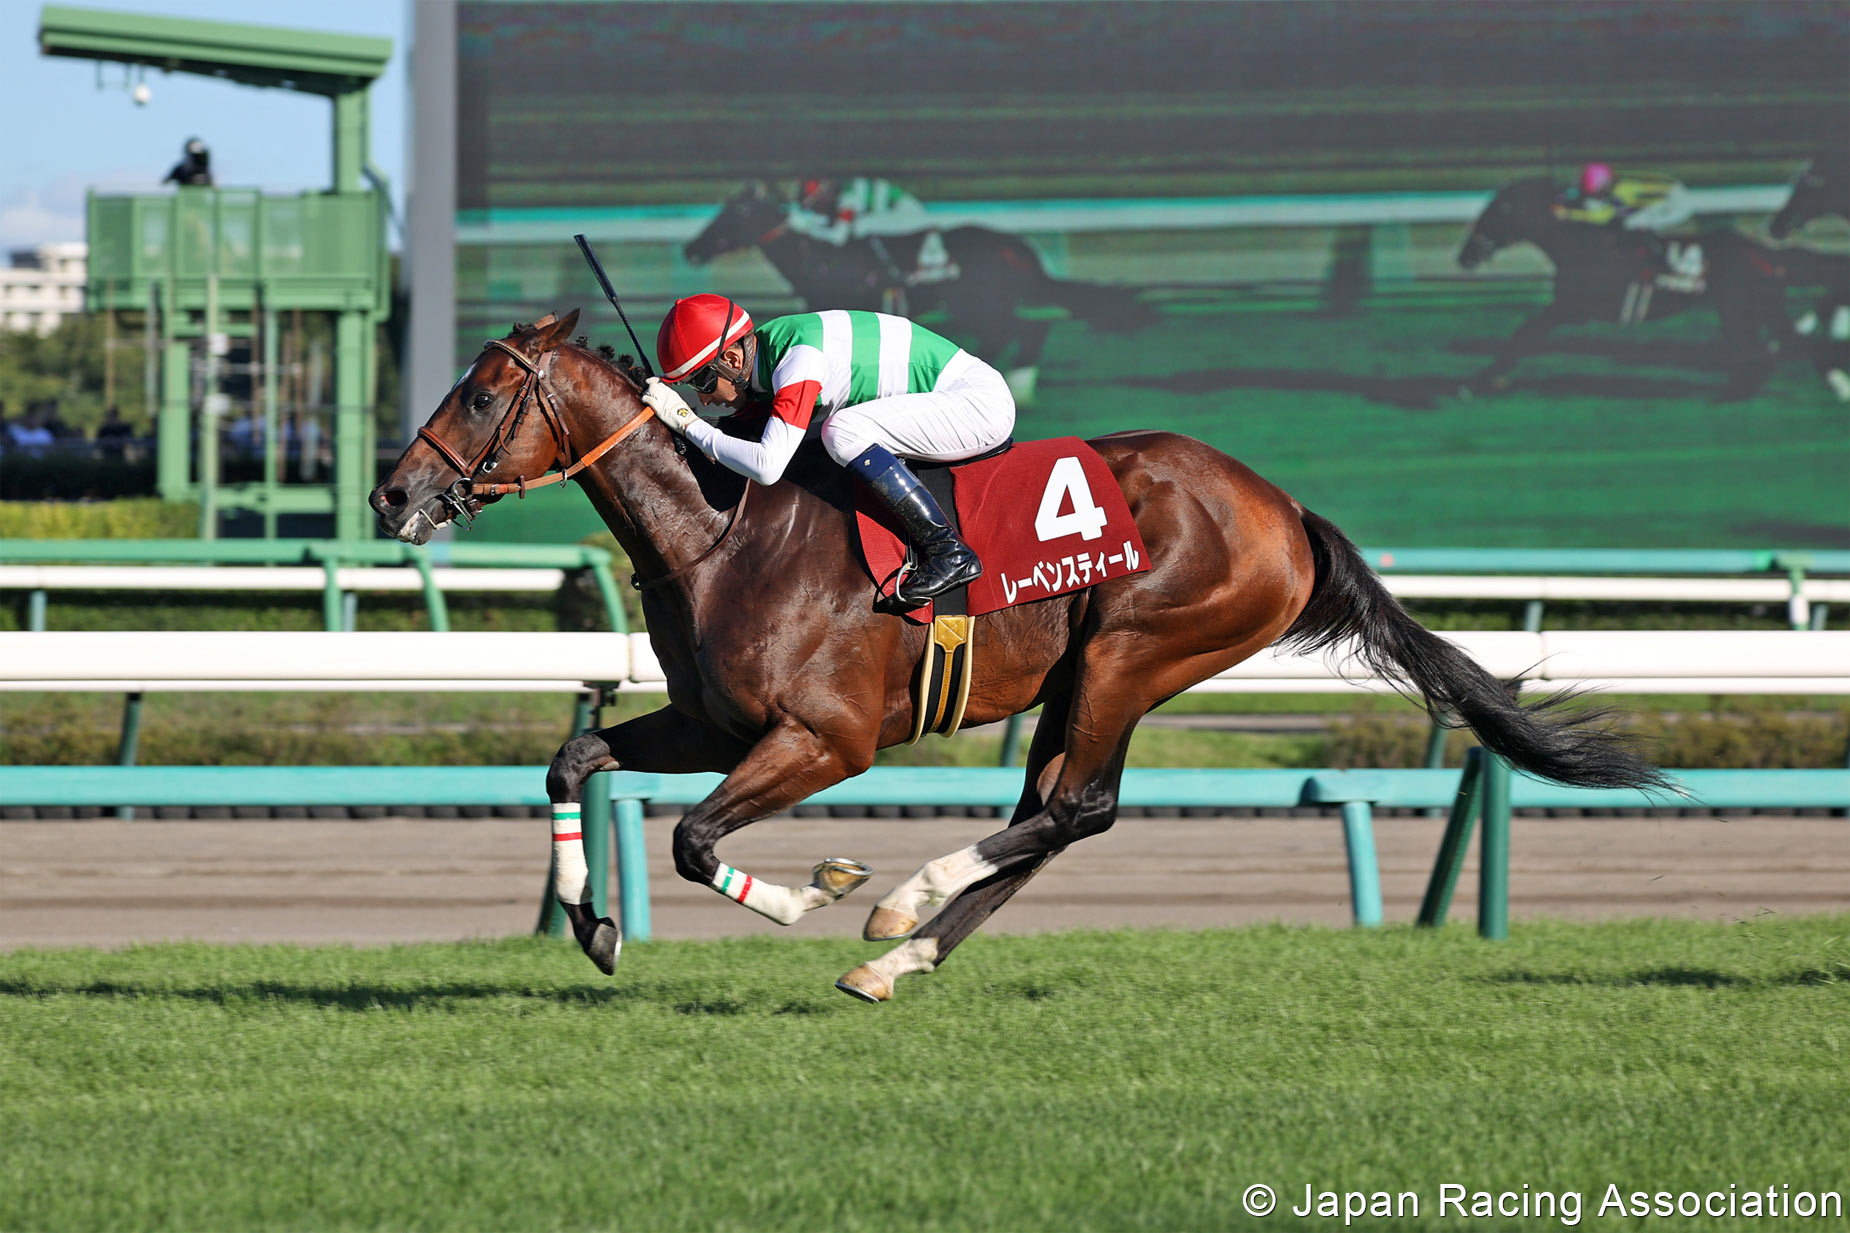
624 364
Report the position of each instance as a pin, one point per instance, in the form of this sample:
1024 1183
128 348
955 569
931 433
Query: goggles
705 379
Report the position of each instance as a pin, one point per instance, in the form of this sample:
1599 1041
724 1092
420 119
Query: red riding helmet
695 330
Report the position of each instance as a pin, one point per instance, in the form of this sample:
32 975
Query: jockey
870 208
882 389
1636 200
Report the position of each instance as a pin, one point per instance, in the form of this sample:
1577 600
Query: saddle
1046 517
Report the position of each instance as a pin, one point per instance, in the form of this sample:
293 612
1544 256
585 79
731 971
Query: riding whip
611 295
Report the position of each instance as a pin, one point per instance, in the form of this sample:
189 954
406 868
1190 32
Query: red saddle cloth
1047 517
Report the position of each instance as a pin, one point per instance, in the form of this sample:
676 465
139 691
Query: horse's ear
551 331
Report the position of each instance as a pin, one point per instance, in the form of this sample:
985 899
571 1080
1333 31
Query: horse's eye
481 402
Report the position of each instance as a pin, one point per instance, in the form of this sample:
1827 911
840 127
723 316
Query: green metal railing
331 555
1483 794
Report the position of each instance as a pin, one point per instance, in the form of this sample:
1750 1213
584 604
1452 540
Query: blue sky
66 133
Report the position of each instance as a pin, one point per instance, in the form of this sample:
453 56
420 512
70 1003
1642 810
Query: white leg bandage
570 876
912 955
938 881
783 904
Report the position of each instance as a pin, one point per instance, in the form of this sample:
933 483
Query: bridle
533 389
533 392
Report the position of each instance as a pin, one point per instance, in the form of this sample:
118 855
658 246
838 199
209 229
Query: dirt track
109 883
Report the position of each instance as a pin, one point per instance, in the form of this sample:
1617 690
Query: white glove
661 398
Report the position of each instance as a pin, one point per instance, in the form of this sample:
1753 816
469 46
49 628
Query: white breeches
969 412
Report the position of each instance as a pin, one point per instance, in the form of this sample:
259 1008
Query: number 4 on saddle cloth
1046 517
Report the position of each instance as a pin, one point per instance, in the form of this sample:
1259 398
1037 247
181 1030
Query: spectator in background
55 423
30 434
113 433
1634 200
195 166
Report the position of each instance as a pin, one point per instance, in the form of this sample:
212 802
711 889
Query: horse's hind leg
665 741
1082 800
873 981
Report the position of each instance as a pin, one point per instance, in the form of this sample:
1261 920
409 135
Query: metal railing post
129 745
332 616
595 812
1435 751
1451 858
1493 852
1364 874
433 595
607 590
632 870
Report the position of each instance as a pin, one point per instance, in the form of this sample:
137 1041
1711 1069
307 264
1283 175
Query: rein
731 522
533 386
532 389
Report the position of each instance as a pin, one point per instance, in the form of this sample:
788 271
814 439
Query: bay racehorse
997 274
781 674
1610 274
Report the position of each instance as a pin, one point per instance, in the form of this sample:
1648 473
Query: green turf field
1126 1080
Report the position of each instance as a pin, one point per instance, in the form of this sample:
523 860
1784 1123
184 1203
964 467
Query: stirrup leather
941 687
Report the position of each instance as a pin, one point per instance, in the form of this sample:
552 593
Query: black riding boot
942 560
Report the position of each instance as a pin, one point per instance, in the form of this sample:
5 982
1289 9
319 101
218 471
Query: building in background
43 285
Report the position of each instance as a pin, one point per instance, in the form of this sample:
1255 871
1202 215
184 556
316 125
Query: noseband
533 392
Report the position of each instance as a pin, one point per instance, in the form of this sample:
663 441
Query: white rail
266 578
1703 662
269 578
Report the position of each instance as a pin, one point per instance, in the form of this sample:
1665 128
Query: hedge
140 518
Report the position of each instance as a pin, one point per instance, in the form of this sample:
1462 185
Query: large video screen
1243 221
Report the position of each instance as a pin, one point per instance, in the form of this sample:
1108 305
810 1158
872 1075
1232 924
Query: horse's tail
1349 601
1100 305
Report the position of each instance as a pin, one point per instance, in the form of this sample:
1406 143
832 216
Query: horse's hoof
602 942
606 945
836 876
866 984
598 936
886 924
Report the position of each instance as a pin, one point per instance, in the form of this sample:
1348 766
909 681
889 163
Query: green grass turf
1124 1080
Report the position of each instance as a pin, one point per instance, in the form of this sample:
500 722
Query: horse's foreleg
666 741
786 765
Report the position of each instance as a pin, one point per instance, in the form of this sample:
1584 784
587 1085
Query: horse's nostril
389 499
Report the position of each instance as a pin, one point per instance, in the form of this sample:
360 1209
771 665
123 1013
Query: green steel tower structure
211 264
